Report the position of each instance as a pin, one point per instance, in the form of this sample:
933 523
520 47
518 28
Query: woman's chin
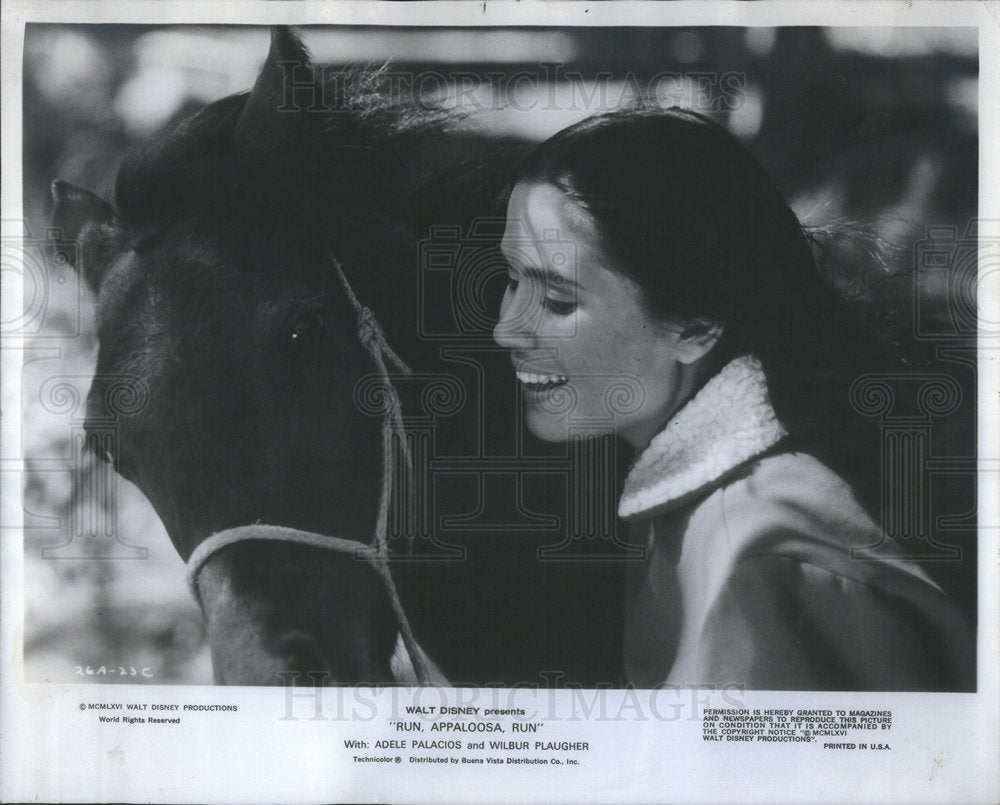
551 428
546 427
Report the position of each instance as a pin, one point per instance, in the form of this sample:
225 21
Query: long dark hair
689 214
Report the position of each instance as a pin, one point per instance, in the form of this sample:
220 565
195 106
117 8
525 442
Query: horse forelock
372 101
353 146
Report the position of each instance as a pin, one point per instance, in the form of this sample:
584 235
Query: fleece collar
729 421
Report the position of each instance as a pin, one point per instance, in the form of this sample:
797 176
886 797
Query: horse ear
287 84
84 217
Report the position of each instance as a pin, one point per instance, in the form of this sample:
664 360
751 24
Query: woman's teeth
531 379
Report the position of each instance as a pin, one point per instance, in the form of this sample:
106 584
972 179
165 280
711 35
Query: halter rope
377 555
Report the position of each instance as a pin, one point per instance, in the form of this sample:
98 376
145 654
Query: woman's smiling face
588 356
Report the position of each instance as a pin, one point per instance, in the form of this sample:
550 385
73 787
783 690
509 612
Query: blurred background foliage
870 133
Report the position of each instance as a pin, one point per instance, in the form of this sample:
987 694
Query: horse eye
306 329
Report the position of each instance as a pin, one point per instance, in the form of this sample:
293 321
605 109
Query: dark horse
217 291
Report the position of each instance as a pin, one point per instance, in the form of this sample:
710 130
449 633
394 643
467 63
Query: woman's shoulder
791 505
793 495
779 623
797 561
795 478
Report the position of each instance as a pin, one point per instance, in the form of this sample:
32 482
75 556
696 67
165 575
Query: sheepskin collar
729 421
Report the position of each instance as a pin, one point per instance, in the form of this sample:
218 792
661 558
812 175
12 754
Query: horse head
220 304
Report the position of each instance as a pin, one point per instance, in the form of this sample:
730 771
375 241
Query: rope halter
372 338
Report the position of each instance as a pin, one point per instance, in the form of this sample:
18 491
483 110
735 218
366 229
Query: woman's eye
559 307
511 283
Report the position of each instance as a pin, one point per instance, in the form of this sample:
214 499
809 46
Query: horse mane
357 147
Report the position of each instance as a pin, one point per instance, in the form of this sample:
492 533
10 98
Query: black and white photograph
505 389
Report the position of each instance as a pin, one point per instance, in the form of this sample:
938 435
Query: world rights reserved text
133 713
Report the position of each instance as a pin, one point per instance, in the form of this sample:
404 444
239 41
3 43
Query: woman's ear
697 339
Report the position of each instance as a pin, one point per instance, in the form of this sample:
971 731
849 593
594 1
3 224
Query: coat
761 569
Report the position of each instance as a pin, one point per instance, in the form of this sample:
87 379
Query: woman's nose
513 329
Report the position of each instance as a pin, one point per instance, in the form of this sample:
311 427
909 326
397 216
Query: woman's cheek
564 331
